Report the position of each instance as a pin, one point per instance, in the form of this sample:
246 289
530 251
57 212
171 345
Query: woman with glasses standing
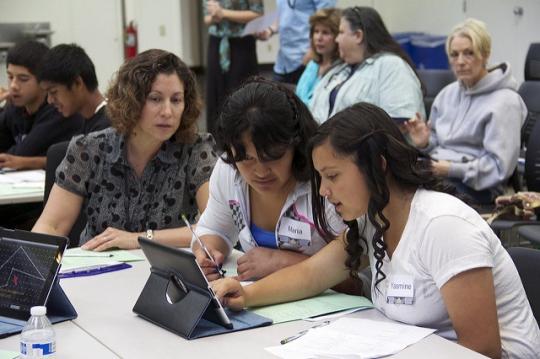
475 122
375 70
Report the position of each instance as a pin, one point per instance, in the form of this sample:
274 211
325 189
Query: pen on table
299 334
97 255
201 244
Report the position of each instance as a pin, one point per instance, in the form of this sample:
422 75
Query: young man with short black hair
28 125
69 77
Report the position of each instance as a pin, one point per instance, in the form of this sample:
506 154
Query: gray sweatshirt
478 129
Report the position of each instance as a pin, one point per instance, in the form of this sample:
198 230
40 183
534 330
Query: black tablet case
192 316
59 309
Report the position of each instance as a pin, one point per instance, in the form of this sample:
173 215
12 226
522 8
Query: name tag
294 229
400 289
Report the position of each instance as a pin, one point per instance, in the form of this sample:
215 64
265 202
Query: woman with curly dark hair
435 262
138 177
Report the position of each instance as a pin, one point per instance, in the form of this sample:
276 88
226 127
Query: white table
21 193
71 342
105 303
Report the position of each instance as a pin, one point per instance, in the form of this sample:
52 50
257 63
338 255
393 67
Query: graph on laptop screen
25 268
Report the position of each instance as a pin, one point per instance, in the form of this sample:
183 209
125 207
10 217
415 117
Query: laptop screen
29 263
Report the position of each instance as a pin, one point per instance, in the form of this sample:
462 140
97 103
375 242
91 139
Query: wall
176 25
95 25
511 34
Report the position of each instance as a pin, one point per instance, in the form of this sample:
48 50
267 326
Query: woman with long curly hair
447 268
138 177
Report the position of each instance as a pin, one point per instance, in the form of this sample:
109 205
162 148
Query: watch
149 234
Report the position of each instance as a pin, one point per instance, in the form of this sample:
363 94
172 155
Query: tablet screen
28 267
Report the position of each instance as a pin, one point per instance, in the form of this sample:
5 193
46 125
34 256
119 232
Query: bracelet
272 31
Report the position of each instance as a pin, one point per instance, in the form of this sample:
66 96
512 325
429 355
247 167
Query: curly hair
133 82
274 117
367 133
326 17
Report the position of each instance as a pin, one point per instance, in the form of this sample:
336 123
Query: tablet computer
29 264
178 261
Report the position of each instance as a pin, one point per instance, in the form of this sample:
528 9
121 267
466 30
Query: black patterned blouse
96 168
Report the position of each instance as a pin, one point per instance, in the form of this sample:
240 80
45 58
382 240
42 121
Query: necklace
291 3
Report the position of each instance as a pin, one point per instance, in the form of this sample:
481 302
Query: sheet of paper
23 176
4 354
77 258
260 24
327 302
8 190
352 338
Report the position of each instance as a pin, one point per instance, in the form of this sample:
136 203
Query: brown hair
326 17
132 84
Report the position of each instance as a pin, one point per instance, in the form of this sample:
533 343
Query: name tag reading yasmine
400 289
294 229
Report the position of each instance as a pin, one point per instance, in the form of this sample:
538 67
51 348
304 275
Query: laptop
29 265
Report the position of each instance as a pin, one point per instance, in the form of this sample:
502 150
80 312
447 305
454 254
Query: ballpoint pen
96 255
299 334
201 244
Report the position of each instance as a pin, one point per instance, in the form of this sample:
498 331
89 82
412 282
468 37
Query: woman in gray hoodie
473 134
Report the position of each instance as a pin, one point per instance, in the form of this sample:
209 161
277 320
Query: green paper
90 259
4 354
325 303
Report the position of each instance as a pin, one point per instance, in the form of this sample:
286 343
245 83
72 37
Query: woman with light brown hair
138 177
323 32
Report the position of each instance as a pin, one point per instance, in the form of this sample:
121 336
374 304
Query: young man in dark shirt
28 125
69 77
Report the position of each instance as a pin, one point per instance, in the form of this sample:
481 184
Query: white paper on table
34 176
352 338
260 24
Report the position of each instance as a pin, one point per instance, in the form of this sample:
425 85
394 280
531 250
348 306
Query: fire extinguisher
130 41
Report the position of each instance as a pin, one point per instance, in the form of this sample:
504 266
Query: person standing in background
293 27
231 58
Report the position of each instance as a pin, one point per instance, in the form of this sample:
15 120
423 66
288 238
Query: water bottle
37 337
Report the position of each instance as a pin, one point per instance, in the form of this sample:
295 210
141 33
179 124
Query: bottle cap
38 310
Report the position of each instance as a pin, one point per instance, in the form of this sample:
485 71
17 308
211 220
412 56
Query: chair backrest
530 93
527 261
55 155
532 63
532 159
434 81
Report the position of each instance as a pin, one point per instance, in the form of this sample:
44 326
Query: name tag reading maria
294 229
400 289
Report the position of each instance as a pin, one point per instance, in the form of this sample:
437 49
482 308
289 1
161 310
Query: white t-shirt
444 237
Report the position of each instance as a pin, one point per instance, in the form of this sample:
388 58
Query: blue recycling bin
428 51
404 40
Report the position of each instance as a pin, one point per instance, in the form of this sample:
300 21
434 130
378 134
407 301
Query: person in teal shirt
323 32
231 58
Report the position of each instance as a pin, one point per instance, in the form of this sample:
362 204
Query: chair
532 63
508 228
55 155
532 160
434 81
530 93
530 233
527 261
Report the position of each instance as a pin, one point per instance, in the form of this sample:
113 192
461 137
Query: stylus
201 244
